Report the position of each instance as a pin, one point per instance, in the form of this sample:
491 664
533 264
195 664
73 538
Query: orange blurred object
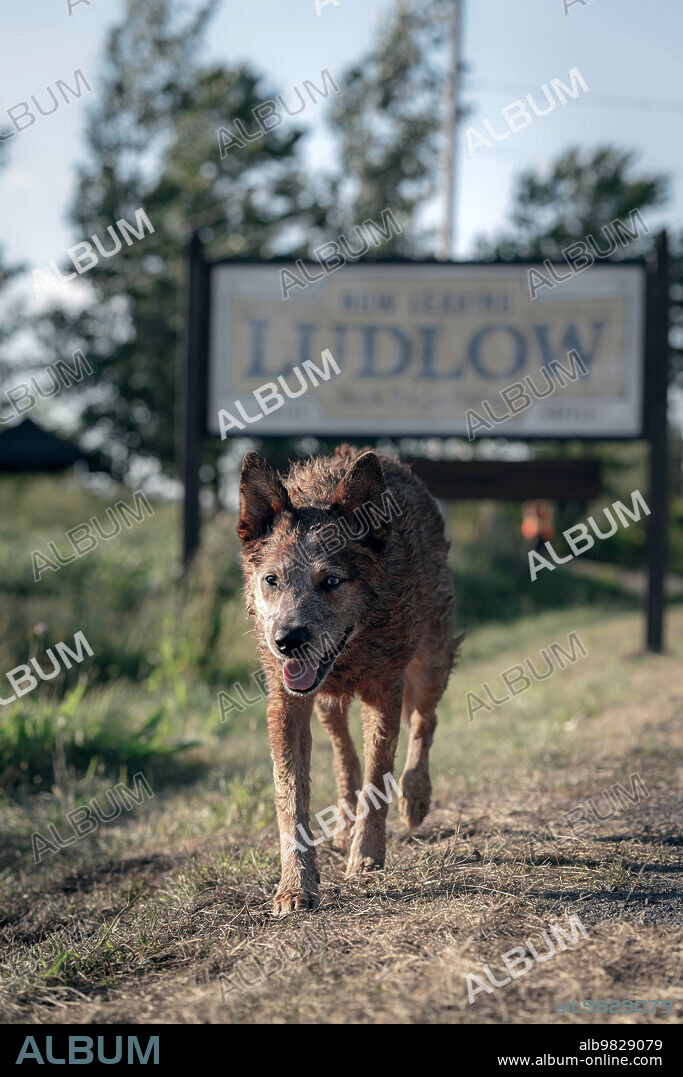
537 520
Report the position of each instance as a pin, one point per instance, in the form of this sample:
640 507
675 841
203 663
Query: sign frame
192 400
338 430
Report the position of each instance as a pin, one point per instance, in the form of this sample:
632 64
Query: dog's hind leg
333 714
416 787
381 712
425 681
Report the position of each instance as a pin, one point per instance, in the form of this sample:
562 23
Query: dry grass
139 921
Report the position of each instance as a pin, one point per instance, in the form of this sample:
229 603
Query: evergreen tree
9 326
153 143
582 191
388 118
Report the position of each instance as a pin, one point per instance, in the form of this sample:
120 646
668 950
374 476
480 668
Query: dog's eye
331 581
271 580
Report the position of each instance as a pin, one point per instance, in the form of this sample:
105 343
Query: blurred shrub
47 743
491 571
163 645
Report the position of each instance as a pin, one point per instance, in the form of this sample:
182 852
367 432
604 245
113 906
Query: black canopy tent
26 447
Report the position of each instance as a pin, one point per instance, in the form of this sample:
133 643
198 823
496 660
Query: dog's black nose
290 639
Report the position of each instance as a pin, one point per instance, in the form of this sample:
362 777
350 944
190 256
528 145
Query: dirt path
189 937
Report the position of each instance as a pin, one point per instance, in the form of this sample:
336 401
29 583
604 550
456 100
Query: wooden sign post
418 343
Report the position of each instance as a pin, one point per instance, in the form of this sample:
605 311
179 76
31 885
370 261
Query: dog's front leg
381 712
333 714
289 729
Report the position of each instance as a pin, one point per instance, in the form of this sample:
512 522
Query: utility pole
192 394
447 230
657 371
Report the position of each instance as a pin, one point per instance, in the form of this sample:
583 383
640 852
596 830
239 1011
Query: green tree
676 335
387 118
9 326
153 143
582 191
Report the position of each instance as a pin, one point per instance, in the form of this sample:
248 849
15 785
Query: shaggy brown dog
346 578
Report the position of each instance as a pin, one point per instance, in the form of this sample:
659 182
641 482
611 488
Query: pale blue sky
625 49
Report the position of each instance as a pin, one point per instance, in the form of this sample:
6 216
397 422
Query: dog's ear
262 497
359 496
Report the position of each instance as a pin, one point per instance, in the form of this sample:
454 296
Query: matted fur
392 616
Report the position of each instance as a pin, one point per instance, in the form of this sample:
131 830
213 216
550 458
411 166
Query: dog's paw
363 865
342 840
294 899
417 794
413 810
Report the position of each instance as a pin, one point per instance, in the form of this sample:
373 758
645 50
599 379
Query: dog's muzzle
305 673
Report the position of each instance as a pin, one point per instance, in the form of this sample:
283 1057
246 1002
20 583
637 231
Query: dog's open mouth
305 673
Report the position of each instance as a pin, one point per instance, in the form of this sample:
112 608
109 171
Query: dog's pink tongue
298 674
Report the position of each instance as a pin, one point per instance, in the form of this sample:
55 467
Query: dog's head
313 568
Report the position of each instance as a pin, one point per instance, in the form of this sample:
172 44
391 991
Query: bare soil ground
164 916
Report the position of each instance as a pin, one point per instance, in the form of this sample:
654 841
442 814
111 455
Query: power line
598 100
447 230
